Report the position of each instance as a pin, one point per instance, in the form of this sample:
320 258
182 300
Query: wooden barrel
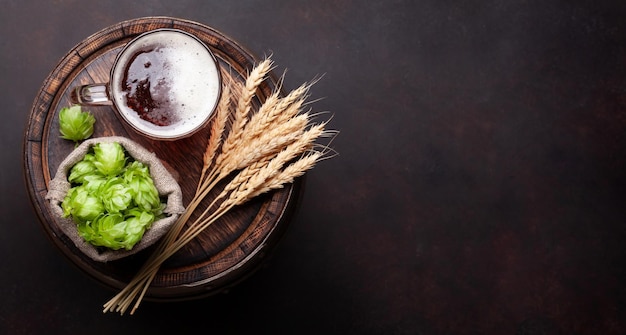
228 250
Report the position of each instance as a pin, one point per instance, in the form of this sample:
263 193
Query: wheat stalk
286 176
268 143
269 149
257 75
217 129
274 110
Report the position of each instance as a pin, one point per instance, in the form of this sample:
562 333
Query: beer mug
165 84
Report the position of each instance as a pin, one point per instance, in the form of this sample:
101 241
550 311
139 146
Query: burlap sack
163 180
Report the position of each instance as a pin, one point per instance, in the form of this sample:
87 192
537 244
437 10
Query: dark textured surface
479 190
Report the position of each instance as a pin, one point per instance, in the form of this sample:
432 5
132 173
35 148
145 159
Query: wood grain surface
228 250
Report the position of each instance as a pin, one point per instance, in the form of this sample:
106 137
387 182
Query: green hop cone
116 231
137 222
83 169
74 124
115 194
81 205
93 184
145 194
68 204
109 158
107 230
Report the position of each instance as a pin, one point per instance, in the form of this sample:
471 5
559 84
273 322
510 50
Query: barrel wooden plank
228 250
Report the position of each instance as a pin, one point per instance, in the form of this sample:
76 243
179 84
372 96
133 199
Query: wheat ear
217 129
287 175
242 110
274 110
268 143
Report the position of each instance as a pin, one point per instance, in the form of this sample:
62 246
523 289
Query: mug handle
91 94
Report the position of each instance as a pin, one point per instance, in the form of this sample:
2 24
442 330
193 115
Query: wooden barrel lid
227 251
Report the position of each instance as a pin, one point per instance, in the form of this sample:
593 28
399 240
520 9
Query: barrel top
229 249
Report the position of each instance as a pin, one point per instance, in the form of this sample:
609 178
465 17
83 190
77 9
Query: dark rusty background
480 187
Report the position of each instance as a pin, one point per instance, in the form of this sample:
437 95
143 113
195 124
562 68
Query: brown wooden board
228 250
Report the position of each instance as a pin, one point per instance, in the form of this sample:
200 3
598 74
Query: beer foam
188 83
